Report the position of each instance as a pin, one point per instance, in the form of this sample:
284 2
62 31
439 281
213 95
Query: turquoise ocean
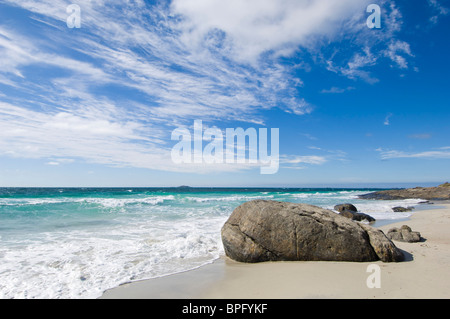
78 242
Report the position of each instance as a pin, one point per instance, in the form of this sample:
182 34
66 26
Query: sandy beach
424 274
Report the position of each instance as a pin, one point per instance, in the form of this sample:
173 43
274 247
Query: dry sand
424 274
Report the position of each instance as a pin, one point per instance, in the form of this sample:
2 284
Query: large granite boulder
260 230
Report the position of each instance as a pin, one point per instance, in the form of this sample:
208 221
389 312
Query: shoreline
423 274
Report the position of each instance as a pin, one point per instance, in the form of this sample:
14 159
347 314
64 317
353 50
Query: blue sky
96 105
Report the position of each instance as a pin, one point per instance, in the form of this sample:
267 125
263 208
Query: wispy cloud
112 91
312 159
372 47
433 154
53 163
146 51
33 134
309 136
438 10
396 51
337 90
423 136
305 161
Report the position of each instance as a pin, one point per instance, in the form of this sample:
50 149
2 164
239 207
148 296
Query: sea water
78 242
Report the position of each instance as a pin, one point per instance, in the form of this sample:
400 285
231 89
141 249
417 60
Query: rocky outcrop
404 234
350 211
260 230
400 209
441 192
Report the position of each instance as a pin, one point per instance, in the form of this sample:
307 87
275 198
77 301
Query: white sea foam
299 195
82 264
232 198
107 202
120 202
29 201
383 210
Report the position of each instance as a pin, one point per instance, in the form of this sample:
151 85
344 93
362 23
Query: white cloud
302 161
356 67
19 51
63 138
305 161
312 159
439 10
371 46
423 136
396 51
392 154
31 134
309 136
337 90
255 27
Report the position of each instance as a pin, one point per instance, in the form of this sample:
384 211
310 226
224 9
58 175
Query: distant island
441 192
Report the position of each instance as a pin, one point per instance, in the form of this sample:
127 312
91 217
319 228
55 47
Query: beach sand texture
424 274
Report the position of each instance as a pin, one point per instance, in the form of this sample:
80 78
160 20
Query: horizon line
337 185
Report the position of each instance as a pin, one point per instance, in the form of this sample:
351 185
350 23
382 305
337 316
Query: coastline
424 273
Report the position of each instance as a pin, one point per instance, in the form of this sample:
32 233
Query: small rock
400 209
345 207
351 212
404 234
359 217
